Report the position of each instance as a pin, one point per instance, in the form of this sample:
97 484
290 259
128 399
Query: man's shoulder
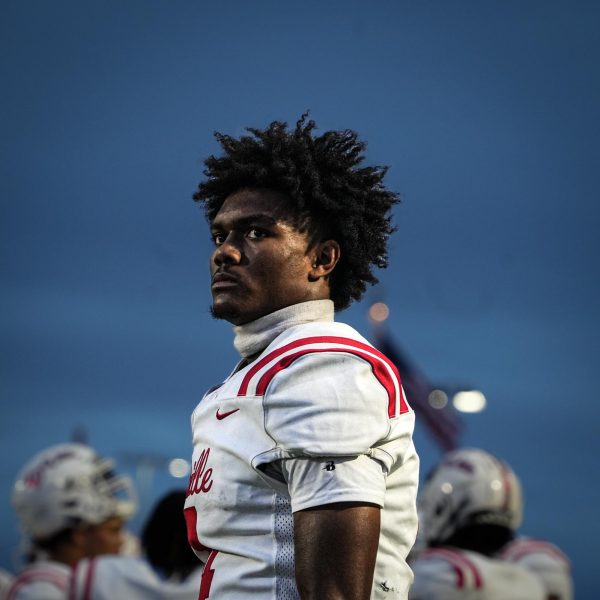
323 342
524 549
113 576
41 580
452 566
464 570
545 560
318 381
327 353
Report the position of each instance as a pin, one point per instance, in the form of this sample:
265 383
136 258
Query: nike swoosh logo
222 416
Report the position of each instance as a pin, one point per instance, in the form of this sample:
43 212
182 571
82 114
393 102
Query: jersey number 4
208 572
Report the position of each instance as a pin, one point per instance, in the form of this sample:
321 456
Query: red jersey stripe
522 548
460 578
191 522
380 365
50 577
379 371
459 560
87 590
474 570
259 364
74 580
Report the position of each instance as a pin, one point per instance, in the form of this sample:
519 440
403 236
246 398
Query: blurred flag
443 424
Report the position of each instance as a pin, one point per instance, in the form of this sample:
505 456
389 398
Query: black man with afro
304 474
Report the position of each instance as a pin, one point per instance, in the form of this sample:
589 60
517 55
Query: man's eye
256 234
218 238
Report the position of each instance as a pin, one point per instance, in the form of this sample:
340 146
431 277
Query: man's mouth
221 280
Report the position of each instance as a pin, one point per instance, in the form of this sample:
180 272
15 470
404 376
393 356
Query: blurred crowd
73 508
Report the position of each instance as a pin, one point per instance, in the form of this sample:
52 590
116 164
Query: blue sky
486 113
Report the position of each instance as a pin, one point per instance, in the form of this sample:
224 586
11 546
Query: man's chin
226 312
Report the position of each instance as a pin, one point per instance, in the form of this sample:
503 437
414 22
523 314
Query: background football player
70 505
168 568
470 509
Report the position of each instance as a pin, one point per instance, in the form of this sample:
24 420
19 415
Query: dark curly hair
323 178
164 538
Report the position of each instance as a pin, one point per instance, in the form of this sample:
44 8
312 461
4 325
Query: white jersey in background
127 578
41 580
546 561
452 574
6 580
320 417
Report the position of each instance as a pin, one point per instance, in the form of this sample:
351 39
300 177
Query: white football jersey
320 417
127 578
42 580
6 580
453 574
546 561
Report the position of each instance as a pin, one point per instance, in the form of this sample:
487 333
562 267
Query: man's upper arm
336 504
336 548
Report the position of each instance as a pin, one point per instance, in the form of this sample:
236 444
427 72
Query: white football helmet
67 485
469 487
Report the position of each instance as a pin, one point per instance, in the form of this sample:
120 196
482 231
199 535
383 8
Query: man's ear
325 257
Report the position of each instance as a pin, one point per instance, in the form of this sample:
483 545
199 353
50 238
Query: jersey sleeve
326 404
315 482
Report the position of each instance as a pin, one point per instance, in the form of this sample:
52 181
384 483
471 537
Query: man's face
104 538
261 262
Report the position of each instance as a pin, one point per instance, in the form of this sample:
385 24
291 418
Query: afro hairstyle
324 178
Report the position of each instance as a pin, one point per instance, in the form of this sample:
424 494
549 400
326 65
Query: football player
304 472
470 508
70 505
168 568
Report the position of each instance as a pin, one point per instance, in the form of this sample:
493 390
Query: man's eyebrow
246 220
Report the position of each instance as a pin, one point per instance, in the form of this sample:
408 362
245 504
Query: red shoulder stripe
474 570
460 578
74 580
376 359
378 368
55 579
258 365
522 548
460 563
87 592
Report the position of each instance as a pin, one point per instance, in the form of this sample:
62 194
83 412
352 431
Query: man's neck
252 338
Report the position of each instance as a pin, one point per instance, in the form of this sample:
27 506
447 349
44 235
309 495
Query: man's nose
227 253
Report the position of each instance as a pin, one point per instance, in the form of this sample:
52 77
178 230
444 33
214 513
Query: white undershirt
255 336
